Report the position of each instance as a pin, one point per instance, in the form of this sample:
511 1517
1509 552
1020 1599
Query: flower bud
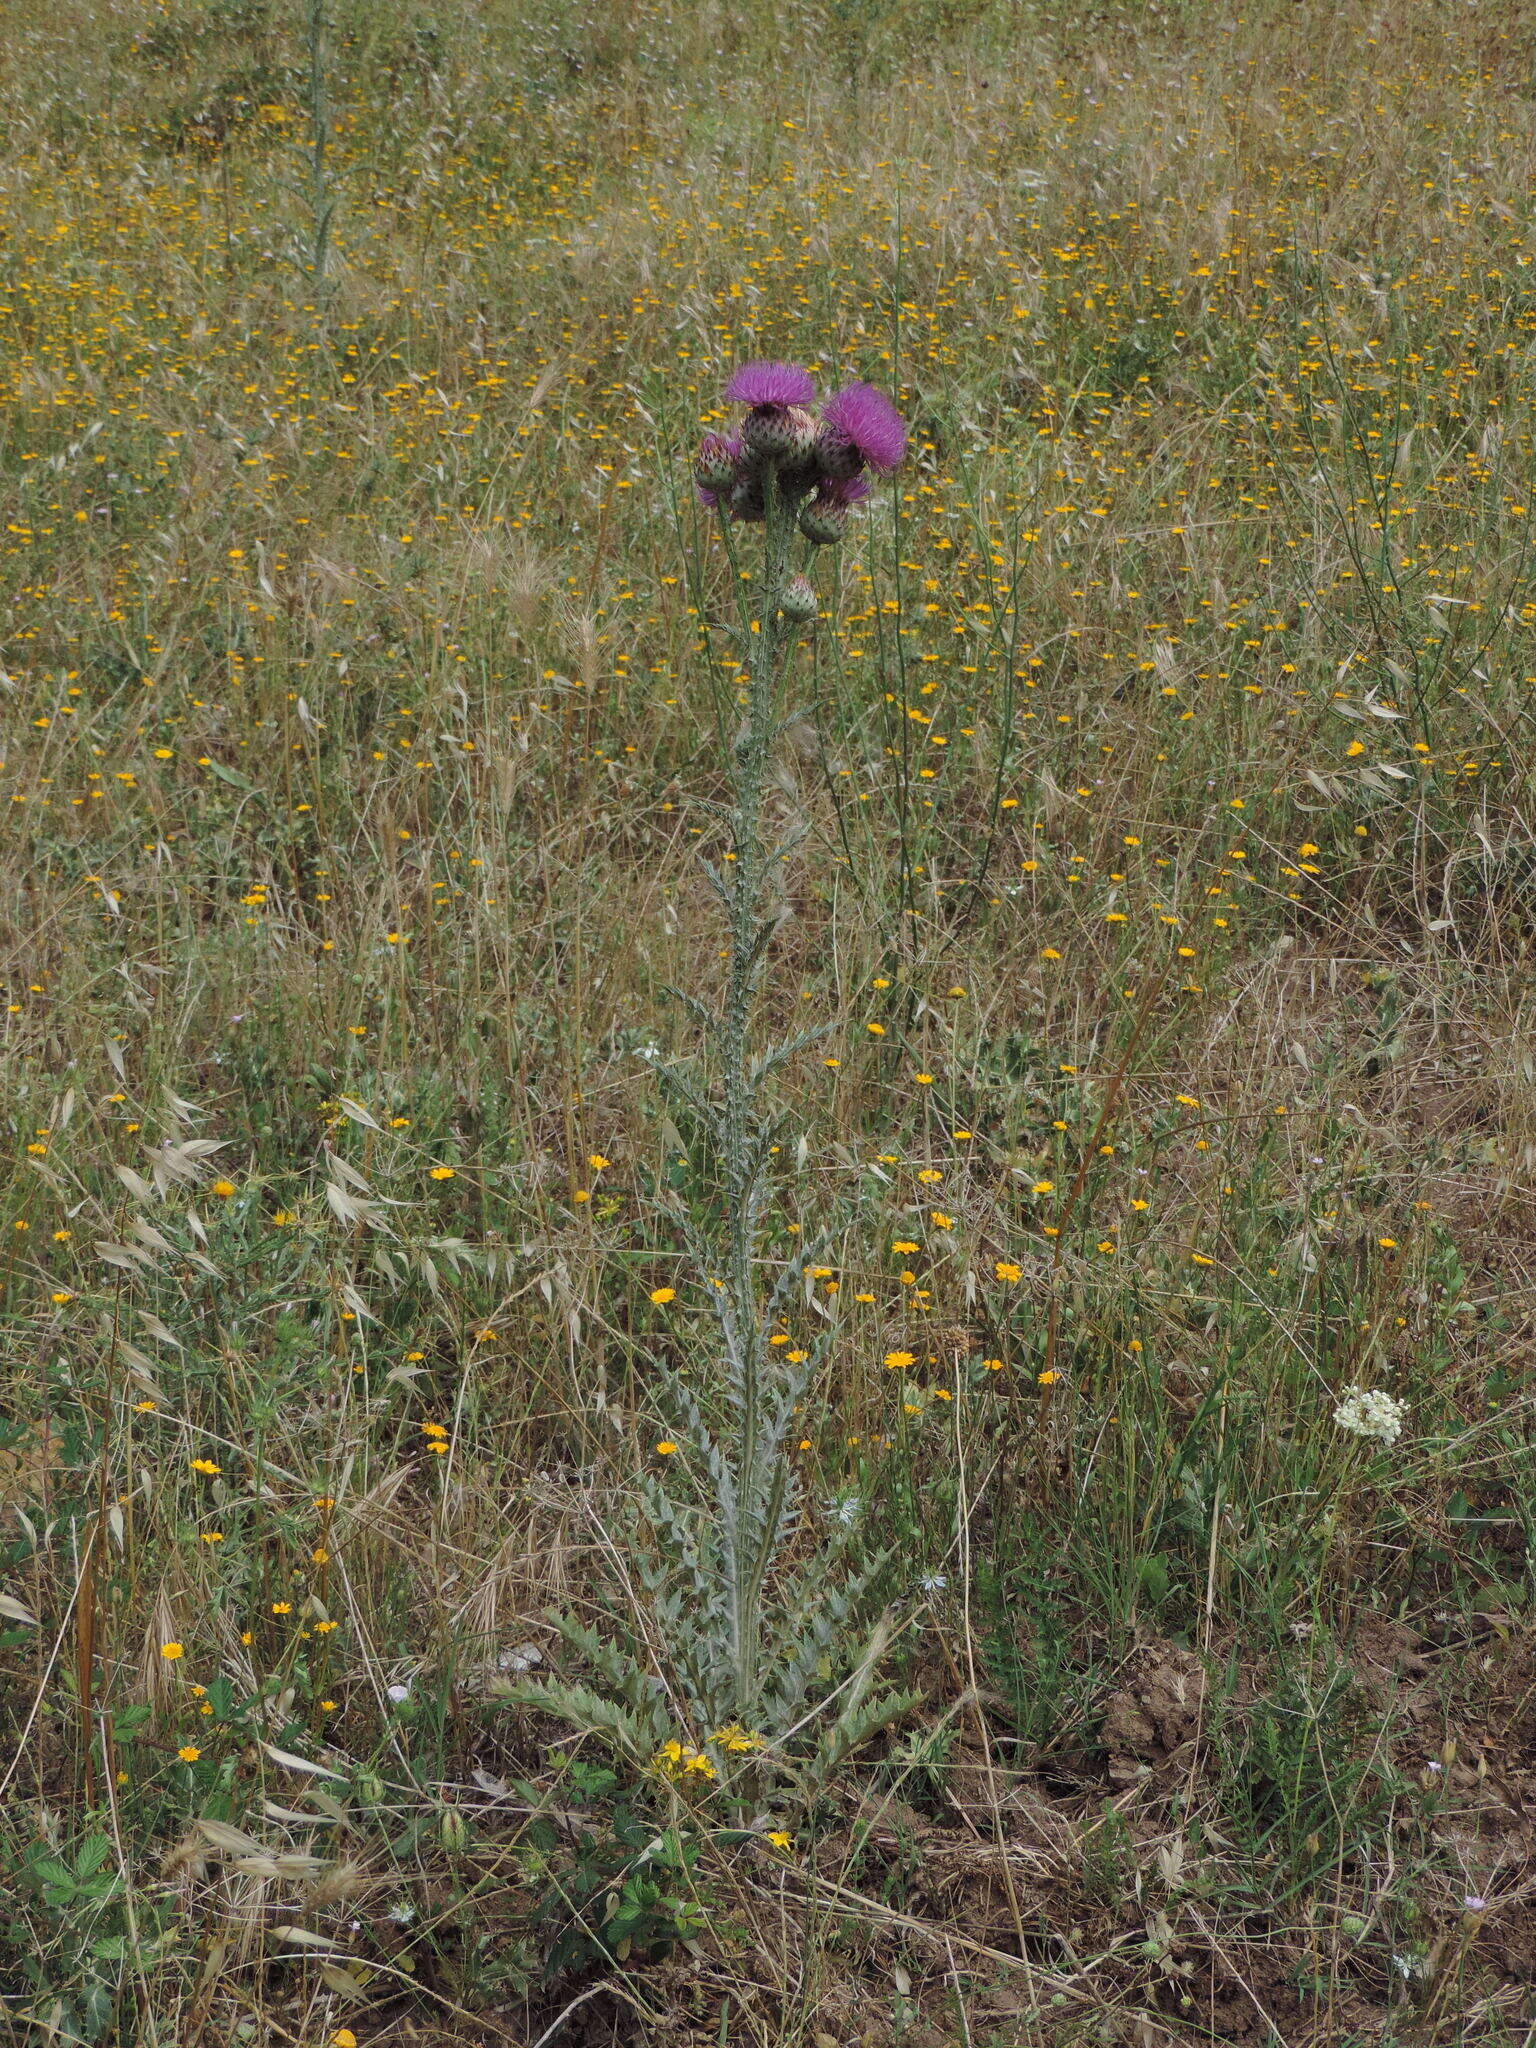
823 521
804 430
797 601
780 433
714 467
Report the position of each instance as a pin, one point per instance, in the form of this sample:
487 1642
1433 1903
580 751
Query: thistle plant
737 1636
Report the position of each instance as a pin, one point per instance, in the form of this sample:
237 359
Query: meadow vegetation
1128 1202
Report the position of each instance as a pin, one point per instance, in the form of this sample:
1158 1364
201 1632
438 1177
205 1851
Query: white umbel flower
1369 1412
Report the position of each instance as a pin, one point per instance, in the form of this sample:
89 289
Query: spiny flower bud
797 601
714 467
824 521
780 433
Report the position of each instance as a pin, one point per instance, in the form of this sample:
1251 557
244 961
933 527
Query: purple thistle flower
845 490
863 428
770 384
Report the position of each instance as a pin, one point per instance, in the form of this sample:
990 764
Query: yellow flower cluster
736 1740
679 1764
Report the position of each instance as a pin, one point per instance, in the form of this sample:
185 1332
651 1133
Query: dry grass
1163 763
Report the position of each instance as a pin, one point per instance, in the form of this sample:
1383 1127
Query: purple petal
846 490
867 418
770 384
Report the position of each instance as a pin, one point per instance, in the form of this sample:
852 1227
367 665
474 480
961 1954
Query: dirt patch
1152 1725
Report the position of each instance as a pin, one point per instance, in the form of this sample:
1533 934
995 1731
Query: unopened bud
451 1831
780 433
823 521
797 601
714 467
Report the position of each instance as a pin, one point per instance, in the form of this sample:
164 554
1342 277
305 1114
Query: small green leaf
1154 1578
229 775
91 1855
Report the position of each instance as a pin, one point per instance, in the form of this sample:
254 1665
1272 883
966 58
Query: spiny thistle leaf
853 1729
589 1712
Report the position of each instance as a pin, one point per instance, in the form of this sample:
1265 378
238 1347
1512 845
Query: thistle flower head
861 430
778 384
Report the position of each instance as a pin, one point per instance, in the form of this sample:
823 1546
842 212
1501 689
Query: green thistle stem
742 1155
